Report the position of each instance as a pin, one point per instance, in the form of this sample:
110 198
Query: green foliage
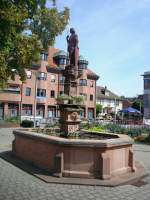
26 27
63 97
139 105
142 138
98 109
27 123
96 128
71 99
78 99
116 128
147 139
49 23
12 119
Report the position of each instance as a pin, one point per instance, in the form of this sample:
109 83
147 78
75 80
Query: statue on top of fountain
73 49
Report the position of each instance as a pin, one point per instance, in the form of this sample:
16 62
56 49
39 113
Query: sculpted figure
73 48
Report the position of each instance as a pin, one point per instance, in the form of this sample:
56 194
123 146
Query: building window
40 110
91 97
62 61
82 66
41 92
62 79
146 83
61 93
13 110
29 74
52 93
28 91
82 113
91 83
41 76
146 100
12 88
83 82
53 78
26 109
117 102
90 113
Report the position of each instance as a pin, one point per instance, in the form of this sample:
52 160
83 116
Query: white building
110 102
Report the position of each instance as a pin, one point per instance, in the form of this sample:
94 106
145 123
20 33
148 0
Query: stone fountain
95 159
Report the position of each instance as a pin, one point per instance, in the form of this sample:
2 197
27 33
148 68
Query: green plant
96 128
63 97
141 138
77 99
27 123
15 119
98 109
147 139
26 28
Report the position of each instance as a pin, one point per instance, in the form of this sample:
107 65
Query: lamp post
115 109
35 91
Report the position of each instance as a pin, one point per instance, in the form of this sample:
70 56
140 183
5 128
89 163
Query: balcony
15 90
10 97
41 99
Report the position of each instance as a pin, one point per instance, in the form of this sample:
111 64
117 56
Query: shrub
27 123
96 129
141 138
63 97
15 119
147 139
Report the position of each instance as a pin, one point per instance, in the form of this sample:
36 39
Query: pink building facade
44 83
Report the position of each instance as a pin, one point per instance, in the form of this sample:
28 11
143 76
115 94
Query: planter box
62 101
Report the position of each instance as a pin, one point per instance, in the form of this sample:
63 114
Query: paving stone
18 185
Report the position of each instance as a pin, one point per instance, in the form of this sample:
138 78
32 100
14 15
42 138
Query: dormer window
60 58
82 63
82 66
62 61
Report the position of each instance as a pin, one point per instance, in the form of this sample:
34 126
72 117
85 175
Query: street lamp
35 91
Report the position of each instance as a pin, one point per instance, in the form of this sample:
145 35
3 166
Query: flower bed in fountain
88 158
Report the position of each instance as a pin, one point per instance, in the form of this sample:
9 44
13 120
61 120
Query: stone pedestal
70 113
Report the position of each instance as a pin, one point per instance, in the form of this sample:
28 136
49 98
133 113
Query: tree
139 105
26 28
98 109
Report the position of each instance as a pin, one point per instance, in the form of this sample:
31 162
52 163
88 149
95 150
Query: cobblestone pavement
16 184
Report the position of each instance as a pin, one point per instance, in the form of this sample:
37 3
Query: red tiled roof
91 73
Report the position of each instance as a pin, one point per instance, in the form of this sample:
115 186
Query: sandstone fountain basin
76 158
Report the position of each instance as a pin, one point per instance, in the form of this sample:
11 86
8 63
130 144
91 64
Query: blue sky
114 36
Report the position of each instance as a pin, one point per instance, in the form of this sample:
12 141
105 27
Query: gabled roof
104 93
